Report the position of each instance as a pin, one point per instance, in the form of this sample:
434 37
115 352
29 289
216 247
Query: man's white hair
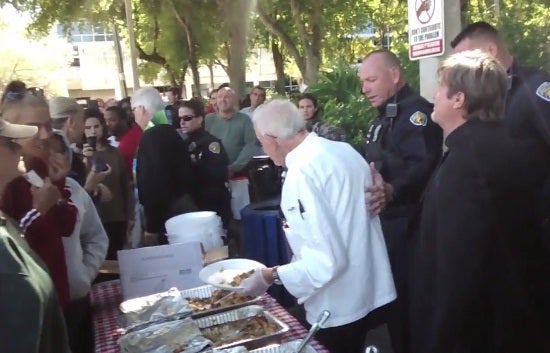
148 98
279 118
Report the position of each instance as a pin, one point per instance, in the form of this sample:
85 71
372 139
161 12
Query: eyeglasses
187 117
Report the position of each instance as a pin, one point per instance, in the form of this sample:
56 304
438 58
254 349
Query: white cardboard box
155 269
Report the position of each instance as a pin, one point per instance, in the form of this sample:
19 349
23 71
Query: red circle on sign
424 10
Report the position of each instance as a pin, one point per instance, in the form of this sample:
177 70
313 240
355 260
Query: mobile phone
34 179
99 165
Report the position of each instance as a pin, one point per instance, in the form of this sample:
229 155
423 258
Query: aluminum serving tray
205 292
207 322
284 348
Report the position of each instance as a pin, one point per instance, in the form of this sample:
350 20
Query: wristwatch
275 276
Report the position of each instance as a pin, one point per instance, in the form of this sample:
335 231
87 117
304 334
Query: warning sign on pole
426 37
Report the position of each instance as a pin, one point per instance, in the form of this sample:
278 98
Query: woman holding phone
100 156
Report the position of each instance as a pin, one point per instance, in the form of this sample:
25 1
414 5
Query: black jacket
479 276
164 175
405 147
210 162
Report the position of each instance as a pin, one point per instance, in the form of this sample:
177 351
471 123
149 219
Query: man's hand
58 166
379 194
45 197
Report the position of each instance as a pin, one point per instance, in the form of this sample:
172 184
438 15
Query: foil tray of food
179 336
250 326
287 347
209 300
140 312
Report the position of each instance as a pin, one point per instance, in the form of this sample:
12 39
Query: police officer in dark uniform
404 145
209 160
527 116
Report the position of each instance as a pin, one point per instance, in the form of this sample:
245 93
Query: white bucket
205 227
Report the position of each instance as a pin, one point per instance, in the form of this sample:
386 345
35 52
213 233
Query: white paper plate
220 273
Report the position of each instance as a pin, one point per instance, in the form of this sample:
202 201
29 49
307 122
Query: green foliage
339 94
524 25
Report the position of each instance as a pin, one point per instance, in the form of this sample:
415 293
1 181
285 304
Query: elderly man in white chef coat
340 259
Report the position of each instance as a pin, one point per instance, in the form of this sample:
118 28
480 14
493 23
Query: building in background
92 73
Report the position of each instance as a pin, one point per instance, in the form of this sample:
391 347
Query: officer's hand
379 194
256 284
45 197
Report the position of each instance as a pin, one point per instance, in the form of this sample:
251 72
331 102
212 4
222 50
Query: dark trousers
116 231
349 338
395 234
78 318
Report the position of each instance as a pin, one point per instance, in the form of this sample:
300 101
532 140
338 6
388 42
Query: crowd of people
438 225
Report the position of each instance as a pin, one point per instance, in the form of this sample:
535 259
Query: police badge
214 147
418 118
544 91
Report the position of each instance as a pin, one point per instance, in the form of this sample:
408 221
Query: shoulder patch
214 147
418 118
544 91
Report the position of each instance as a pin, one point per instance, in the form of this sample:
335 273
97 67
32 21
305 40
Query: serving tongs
222 299
323 317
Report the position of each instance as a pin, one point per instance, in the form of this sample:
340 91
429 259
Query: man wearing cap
68 116
27 300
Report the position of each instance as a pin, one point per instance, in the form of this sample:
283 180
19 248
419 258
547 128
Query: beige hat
16 131
63 107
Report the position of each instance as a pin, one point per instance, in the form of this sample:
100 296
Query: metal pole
132 40
119 63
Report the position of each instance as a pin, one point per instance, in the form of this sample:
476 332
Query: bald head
386 57
381 76
226 101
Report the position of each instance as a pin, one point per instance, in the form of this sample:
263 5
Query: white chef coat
340 258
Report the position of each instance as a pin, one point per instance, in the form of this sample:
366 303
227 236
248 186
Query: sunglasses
187 117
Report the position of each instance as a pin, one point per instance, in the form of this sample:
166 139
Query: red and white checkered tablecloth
107 296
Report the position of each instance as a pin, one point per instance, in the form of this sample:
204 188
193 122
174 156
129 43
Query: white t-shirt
340 259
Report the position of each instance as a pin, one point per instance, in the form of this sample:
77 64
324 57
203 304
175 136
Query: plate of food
228 274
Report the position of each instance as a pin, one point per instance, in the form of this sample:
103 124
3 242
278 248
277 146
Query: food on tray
248 328
169 337
240 277
201 304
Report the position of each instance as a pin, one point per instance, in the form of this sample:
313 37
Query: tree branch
316 19
278 31
302 31
225 68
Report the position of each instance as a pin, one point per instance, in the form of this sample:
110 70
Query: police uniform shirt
528 104
208 155
338 247
405 148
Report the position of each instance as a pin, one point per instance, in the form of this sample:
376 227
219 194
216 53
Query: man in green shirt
234 129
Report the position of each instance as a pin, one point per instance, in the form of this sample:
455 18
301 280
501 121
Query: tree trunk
308 60
211 70
196 78
192 47
279 67
237 16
